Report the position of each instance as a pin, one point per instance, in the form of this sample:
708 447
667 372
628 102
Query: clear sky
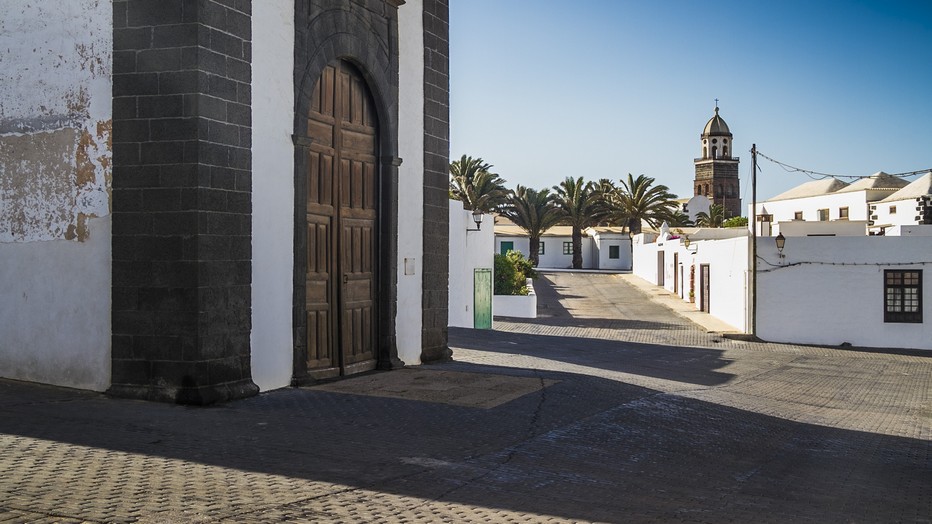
544 89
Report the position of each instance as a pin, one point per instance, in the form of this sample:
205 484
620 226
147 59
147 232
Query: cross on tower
716 103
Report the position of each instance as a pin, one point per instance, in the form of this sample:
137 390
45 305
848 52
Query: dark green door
506 247
482 298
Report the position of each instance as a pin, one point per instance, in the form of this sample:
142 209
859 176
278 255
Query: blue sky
545 89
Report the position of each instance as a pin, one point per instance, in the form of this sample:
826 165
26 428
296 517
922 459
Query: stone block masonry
182 202
436 179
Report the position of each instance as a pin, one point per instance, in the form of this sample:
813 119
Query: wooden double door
342 225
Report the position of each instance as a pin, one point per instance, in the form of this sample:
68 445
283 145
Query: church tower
717 171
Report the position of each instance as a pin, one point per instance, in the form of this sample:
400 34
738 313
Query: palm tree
639 200
535 212
582 207
714 218
478 188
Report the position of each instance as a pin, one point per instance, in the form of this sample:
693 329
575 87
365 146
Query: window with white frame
823 215
843 213
540 248
902 295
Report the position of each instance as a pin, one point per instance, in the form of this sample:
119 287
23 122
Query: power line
816 175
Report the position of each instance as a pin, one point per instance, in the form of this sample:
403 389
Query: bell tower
717 170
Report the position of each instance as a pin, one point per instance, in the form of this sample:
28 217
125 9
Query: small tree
736 222
511 273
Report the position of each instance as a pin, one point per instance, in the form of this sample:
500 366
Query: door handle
345 279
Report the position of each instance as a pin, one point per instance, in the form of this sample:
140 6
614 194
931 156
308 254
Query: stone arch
369 41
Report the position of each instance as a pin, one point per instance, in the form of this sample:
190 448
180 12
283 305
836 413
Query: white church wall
408 318
831 290
272 193
469 250
55 172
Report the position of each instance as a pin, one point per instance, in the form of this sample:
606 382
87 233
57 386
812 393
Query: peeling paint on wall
55 118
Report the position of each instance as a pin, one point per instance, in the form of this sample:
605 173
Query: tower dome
716 126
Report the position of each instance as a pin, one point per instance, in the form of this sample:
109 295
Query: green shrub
511 273
736 222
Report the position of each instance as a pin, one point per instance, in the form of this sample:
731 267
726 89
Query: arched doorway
342 184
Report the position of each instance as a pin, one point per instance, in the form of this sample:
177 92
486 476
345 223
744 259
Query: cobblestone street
609 407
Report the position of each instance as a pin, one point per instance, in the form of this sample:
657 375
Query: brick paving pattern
639 416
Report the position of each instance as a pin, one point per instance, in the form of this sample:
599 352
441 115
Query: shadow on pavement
583 448
682 364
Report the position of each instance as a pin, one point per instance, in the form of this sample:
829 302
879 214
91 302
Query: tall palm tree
639 200
582 207
478 188
535 212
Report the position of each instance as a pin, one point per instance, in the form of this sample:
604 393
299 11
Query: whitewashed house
909 206
471 269
602 247
869 291
825 207
206 199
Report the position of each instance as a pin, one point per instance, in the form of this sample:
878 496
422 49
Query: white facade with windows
910 205
866 291
602 247
827 200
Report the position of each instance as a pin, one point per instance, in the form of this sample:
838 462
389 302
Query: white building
472 252
192 210
911 205
829 201
602 247
868 291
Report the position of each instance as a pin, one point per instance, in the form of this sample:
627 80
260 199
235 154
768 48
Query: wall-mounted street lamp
781 242
477 218
687 243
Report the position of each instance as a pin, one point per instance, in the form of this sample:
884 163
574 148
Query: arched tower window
725 151
705 152
714 151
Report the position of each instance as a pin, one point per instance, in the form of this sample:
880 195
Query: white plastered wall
813 299
55 171
272 192
408 318
469 250
728 275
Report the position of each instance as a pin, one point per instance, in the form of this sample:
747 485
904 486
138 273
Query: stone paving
607 408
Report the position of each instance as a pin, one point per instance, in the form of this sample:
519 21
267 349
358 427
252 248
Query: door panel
705 287
342 215
482 298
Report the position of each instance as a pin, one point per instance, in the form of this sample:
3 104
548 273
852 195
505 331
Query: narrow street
608 408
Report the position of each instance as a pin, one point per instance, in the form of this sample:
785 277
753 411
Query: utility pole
753 260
